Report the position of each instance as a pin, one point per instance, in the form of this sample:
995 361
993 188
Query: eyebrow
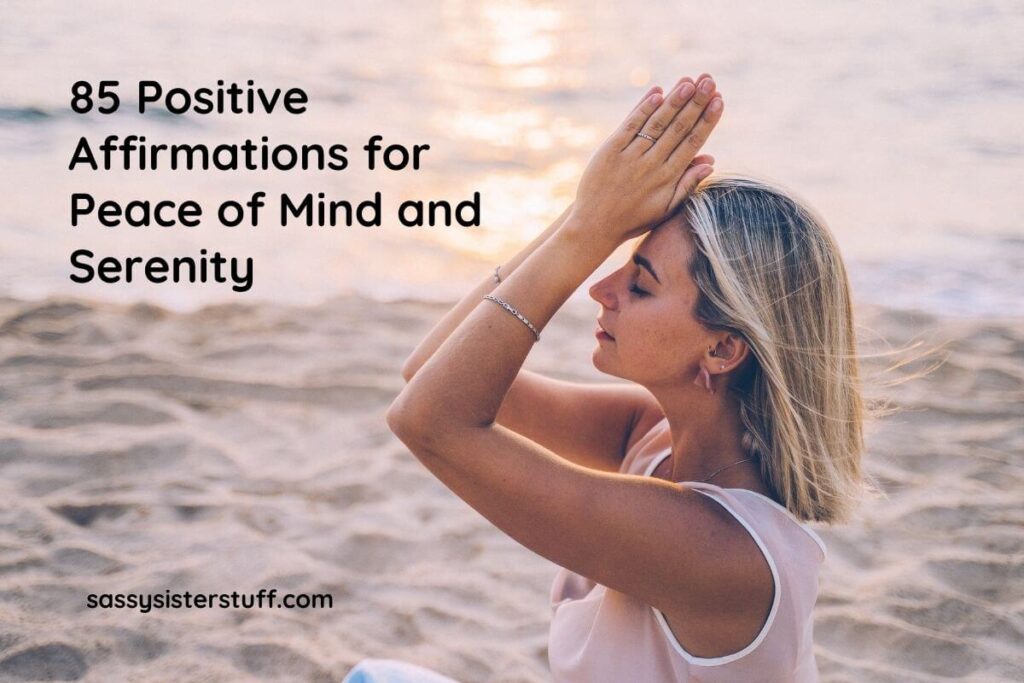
644 263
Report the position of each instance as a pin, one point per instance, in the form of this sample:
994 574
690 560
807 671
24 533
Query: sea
901 123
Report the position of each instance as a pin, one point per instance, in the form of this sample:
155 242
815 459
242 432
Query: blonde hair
769 270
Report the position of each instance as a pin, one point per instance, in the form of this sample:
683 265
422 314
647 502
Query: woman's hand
632 183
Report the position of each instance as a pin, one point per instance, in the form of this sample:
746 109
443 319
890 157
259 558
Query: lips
610 335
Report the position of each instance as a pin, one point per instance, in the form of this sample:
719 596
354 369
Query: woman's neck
707 442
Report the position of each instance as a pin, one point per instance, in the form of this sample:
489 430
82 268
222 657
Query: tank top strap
732 498
757 529
751 522
736 501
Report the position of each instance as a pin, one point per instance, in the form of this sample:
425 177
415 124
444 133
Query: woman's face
656 338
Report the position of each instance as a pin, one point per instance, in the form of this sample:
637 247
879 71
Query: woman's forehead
668 247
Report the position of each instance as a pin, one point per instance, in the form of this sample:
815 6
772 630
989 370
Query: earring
721 366
703 378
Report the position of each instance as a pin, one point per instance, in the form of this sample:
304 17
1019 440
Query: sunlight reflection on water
902 125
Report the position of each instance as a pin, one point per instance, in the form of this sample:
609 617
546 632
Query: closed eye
636 290
634 286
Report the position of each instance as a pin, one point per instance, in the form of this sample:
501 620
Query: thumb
702 159
690 180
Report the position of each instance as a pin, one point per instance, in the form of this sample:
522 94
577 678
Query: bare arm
593 425
454 317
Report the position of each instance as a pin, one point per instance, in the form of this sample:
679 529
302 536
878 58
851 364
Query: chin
597 359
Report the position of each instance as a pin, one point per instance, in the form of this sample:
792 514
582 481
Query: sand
244 446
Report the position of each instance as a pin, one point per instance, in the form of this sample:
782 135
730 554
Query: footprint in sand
85 515
66 561
993 580
115 413
49 662
959 617
895 646
269 660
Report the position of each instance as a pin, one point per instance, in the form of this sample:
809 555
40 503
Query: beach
193 405
242 446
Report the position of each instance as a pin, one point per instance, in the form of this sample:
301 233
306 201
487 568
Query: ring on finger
646 137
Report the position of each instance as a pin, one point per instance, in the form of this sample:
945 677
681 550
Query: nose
603 291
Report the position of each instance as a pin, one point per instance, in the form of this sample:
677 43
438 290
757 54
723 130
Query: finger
703 159
627 131
698 80
656 124
687 118
689 182
653 89
692 143
690 80
687 79
707 75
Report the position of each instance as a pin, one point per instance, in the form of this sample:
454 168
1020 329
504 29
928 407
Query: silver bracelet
497 278
508 307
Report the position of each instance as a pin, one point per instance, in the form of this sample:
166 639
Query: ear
728 353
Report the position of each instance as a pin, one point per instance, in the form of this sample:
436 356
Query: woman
675 504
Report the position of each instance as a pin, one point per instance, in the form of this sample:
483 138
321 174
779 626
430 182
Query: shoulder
742 559
739 590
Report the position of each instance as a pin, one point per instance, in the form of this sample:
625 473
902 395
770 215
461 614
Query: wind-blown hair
769 270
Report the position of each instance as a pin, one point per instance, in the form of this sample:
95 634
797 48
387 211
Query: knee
374 670
362 672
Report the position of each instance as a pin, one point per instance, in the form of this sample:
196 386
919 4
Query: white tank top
600 635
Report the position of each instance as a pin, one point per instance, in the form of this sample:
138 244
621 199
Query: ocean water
900 122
